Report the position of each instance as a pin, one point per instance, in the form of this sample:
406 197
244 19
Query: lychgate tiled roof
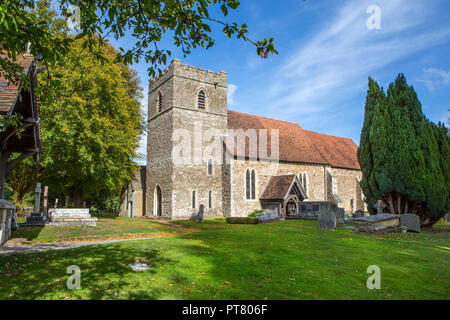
297 144
9 93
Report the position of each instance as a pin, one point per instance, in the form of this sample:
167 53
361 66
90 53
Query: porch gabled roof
280 187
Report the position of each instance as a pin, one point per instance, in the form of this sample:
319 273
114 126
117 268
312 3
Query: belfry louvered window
160 103
201 100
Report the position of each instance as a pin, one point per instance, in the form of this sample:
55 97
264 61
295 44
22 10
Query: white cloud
230 93
329 68
435 78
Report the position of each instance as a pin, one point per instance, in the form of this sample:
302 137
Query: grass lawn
107 226
285 260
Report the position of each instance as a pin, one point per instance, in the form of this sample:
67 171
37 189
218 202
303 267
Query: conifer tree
403 156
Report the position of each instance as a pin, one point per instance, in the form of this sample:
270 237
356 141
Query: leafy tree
403 156
188 22
90 128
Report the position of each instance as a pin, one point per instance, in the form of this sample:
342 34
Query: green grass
285 260
107 226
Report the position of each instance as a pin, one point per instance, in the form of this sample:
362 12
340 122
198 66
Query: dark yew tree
375 95
403 156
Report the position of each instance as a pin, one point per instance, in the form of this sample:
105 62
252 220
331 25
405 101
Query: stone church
187 114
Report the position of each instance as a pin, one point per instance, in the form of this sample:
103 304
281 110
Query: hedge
242 220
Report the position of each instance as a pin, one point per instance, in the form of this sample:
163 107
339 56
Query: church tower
187 118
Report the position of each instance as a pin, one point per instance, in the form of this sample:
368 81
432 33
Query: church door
291 208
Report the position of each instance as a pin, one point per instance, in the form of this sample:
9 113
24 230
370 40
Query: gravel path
62 245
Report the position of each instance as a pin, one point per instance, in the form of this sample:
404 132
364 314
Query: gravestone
71 217
410 221
358 214
268 216
199 215
36 218
447 217
327 219
340 215
378 223
310 210
379 206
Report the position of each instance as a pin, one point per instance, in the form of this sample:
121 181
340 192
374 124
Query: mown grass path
285 260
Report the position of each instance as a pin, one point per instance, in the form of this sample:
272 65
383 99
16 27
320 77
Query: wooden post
3 163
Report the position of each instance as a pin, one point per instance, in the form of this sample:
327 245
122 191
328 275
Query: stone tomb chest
71 217
378 223
265 217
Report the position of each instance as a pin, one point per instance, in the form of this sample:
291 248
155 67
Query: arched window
247 184
253 184
160 102
201 99
210 169
193 199
250 184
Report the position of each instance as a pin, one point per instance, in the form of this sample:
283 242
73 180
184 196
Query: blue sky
326 54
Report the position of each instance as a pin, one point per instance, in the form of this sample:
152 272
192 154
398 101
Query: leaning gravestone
199 216
410 221
327 219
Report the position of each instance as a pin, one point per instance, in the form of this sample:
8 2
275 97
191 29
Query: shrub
254 213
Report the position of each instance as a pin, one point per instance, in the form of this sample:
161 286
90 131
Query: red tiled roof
297 144
337 151
9 92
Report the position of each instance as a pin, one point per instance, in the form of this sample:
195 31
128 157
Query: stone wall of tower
159 162
205 128
182 125
159 142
